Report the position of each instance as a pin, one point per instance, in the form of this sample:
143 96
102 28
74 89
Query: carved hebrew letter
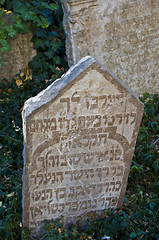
104 97
88 158
112 121
75 97
67 101
120 118
94 103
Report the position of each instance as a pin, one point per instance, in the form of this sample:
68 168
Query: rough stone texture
121 34
79 139
17 59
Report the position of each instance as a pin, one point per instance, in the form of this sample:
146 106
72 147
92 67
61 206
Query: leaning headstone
79 139
122 34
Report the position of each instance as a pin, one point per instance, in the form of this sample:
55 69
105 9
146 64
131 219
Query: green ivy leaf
133 235
40 33
36 3
3 34
2 22
44 22
16 4
11 31
49 54
54 6
5 45
51 6
1 2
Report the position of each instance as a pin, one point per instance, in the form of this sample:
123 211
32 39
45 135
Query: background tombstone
122 34
79 139
18 58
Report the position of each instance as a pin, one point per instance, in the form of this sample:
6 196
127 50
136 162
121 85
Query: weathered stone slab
79 139
121 34
18 58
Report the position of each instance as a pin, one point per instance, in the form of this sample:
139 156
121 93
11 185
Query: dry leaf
9 90
59 230
11 194
19 82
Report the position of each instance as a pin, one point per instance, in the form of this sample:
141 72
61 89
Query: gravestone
122 34
22 52
79 139
16 60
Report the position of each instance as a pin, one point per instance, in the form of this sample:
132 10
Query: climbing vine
45 18
10 26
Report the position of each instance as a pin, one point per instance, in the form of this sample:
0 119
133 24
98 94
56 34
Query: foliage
45 18
139 217
54 230
9 30
146 158
12 97
46 24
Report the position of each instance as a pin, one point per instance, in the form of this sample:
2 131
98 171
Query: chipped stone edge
51 92
46 96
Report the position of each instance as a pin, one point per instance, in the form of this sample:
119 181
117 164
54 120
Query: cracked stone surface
79 139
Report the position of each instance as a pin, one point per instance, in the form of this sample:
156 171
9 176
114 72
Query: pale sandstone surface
18 58
79 139
121 34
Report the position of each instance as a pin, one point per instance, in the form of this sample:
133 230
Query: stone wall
122 34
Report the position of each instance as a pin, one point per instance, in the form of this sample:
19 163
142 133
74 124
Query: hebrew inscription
79 147
122 34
